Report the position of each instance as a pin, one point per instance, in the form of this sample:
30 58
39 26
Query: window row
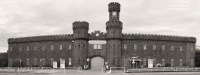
43 47
154 47
36 60
172 62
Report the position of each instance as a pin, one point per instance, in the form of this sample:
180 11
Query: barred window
163 62
70 61
191 62
135 47
11 62
125 46
192 48
172 48
145 47
181 48
181 62
43 47
144 61
172 62
154 47
61 47
163 47
20 48
99 46
10 49
51 61
27 61
52 47
35 48
27 48
70 46
43 61
35 61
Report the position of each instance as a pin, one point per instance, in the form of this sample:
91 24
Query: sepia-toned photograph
99 37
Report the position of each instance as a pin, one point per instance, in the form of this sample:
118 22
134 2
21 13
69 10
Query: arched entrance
97 63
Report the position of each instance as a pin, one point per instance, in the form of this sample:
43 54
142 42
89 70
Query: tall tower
114 35
80 37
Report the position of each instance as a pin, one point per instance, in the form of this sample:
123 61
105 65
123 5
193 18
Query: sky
22 18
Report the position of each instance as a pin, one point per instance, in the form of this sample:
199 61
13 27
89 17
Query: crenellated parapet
80 24
158 37
114 6
41 38
97 35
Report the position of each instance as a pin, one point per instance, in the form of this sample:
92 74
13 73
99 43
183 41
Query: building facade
96 49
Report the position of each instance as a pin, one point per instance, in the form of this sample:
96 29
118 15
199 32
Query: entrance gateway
97 63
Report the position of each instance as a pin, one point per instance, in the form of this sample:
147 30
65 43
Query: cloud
43 17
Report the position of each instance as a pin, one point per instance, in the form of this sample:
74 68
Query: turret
114 35
80 29
114 25
80 36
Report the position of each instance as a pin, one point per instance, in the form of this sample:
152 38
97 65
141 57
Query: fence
166 69
40 69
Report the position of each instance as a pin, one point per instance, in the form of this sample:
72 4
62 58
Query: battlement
113 23
114 6
41 38
80 24
158 37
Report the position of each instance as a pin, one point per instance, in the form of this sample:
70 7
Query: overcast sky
19 18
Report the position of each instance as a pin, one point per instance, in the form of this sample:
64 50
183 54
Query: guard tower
114 35
80 37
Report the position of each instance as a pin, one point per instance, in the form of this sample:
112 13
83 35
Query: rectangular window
35 48
27 48
10 48
125 46
154 47
172 48
191 62
43 61
145 47
144 62
163 62
99 46
172 62
51 61
163 47
43 47
35 61
181 62
70 46
192 48
11 62
70 61
61 47
95 46
135 47
20 48
52 47
27 61
181 48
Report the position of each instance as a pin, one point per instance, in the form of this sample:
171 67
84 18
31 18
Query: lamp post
20 63
40 63
88 60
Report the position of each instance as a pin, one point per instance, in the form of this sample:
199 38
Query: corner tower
80 37
114 35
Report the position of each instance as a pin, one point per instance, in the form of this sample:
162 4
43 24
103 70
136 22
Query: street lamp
40 63
20 63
